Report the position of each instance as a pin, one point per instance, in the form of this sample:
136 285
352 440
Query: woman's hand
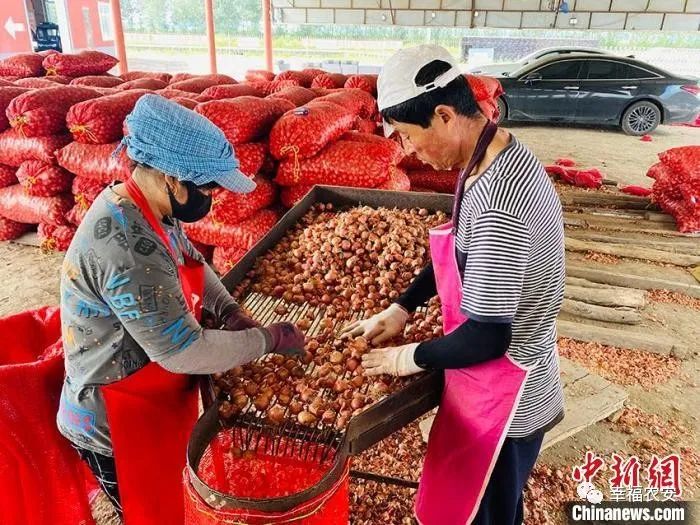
395 361
380 327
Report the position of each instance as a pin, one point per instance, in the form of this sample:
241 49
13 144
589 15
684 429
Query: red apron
151 413
478 402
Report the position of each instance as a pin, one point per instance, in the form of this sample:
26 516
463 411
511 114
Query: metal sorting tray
377 421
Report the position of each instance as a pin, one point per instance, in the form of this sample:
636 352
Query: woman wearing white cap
498 268
132 292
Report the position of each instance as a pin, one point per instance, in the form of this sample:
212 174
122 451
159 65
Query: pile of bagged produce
62 117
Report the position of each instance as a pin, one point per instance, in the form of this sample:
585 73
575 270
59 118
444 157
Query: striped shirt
510 250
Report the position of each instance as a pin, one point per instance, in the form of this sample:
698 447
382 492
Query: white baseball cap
397 80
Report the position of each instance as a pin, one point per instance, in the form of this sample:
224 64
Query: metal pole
209 14
119 36
267 32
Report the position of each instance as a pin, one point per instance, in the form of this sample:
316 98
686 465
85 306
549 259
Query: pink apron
478 402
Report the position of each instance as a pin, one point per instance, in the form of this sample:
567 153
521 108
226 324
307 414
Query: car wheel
502 110
641 118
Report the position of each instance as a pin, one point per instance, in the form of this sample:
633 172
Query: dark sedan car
593 89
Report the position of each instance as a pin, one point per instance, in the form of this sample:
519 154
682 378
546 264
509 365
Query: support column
267 33
119 36
209 15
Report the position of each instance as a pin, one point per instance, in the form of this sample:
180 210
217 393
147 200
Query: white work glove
395 361
380 327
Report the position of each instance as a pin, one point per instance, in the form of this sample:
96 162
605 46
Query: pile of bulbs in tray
344 264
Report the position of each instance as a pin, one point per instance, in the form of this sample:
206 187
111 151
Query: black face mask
196 206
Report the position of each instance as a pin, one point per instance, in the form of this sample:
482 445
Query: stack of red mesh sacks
676 186
423 177
238 221
319 143
42 196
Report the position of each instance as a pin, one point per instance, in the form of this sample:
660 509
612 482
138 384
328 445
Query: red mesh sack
134 75
76 214
556 171
11 230
22 65
6 83
366 83
568 163
344 163
412 162
223 259
440 181
79 65
106 91
300 77
151 84
206 251
232 91
304 132
329 81
297 95
55 238
365 126
639 191
244 234
291 195
43 111
257 75
359 102
8 176
86 190
687 217
232 208
95 161
43 180
251 157
15 149
244 119
16 205
357 136
313 72
100 121
684 160
397 181
6 95
264 86
179 77
278 85
97 81
42 477
60 79
175 93
36 83
199 84
186 102
486 91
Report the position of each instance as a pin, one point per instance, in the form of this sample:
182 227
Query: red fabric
302 133
8 176
22 65
11 230
43 111
244 234
95 161
358 101
232 208
636 190
133 75
41 475
366 83
329 81
567 163
43 180
101 120
297 95
244 119
344 163
646 138
97 81
256 75
6 96
151 84
15 204
590 178
79 65
232 91
15 149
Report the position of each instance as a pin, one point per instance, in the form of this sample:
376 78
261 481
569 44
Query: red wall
21 43
78 29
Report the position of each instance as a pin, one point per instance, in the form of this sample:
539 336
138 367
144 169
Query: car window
629 71
564 70
603 70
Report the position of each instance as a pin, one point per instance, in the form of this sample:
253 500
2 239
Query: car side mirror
532 78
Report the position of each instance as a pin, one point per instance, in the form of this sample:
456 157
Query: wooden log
633 252
634 215
585 283
622 338
671 244
601 313
617 200
584 220
629 280
618 297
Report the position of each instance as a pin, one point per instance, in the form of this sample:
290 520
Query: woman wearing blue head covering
132 291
